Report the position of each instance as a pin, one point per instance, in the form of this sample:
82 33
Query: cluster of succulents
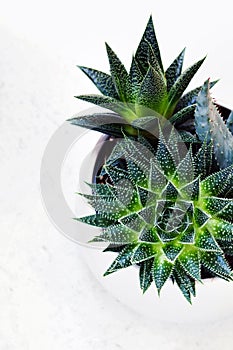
146 90
166 205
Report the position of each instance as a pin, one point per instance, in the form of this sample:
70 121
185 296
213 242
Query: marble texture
48 297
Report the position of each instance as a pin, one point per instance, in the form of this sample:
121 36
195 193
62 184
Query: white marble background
48 297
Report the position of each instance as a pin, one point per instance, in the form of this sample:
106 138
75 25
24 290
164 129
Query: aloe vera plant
146 90
166 212
211 126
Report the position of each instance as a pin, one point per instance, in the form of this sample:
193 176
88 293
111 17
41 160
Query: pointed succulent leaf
216 263
184 282
133 222
118 234
170 192
157 179
215 183
123 260
220 229
102 189
187 137
174 70
187 236
107 123
183 115
137 175
190 98
115 248
173 144
206 241
190 261
115 173
227 190
229 122
172 250
148 214
141 53
180 85
119 75
203 160
96 220
136 79
215 205
164 159
182 285
200 217
185 171
102 81
152 92
153 62
162 270
99 100
143 252
110 103
145 274
149 235
226 213
191 190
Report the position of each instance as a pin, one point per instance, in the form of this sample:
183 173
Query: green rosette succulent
163 210
145 90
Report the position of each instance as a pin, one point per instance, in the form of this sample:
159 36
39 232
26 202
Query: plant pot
213 298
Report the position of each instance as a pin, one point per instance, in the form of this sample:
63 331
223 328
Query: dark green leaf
133 222
145 274
107 123
119 75
216 263
102 81
142 50
200 217
174 70
203 160
96 220
220 229
183 115
117 234
143 252
152 93
217 206
187 236
180 85
165 159
190 261
191 191
136 79
206 241
215 183
149 235
162 270
172 250
123 260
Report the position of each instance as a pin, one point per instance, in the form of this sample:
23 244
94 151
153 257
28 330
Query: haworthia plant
165 212
143 91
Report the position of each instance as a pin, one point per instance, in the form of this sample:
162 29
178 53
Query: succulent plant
163 210
143 91
210 126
